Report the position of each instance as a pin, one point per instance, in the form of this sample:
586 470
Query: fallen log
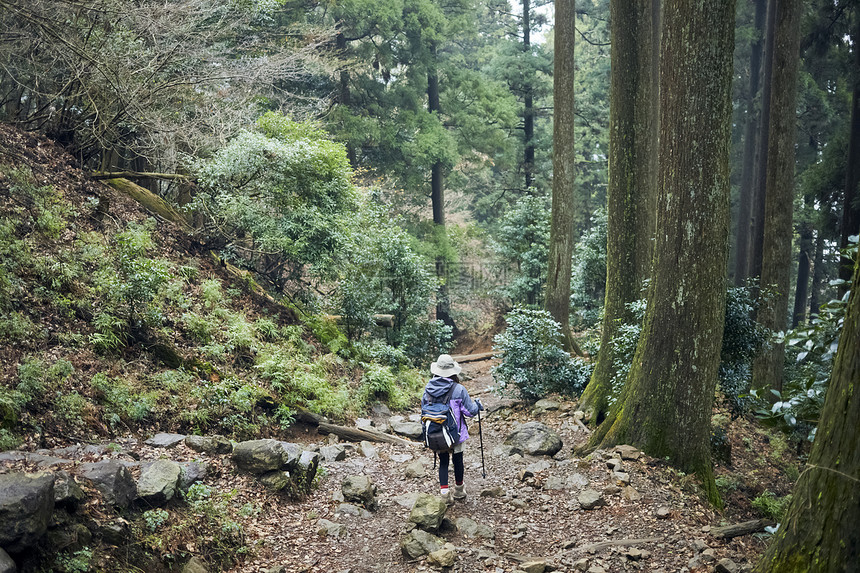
738 529
360 434
383 320
474 357
98 175
614 543
151 202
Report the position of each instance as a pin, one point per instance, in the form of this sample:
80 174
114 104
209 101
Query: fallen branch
474 357
615 543
151 202
357 435
98 175
738 529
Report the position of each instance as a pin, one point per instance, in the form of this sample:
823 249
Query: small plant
71 408
533 362
77 562
769 505
211 293
8 440
155 518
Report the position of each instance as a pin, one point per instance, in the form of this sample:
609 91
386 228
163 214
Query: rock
209 444
726 565
630 494
67 492
663 513
42 461
506 451
418 542
368 450
611 489
534 566
408 429
191 473
622 478
163 440
519 504
112 480
354 510
6 563
364 424
259 456
708 556
535 438
590 499
614 464
158 482
554 483
596 569
416 470
277 480
406 499
114 532
537 467
428 511
699 545
628 452
326 528
547 404
581 564
333 453
361 490
577 481
72 538
194 565
633 554
470 528
26 503
306 470
380 409
443 557
497 491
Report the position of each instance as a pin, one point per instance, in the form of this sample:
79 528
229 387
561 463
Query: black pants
459 468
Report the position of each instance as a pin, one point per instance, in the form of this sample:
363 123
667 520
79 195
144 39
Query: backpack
439 429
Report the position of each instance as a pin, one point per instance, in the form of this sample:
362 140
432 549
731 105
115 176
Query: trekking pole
481 436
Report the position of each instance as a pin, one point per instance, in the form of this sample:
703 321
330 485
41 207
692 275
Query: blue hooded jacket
461 403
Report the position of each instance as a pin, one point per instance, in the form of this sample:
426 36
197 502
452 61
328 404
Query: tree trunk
742 237
801 292
762 147
817 276
632 184
851 200
779 195
665 408
563 167
528 111
820 533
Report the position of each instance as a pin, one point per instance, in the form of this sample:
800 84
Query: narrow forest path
535 518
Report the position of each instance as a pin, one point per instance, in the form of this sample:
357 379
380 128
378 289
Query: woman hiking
445 386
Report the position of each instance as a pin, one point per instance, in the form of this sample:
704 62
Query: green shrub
310 384
122 402
200 328
9 440
769 505
522 244
71 408
16 326
36 379
588 276
211 293
533 363
377 383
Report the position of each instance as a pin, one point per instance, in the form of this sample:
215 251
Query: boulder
292 455
577 481
534 566
194 565
115 532
159 482
260 456
726 565
306 470
67 492
42 461
333 453
418 542
630 494
368 450
360 489
547 405
327 528
277 480
535 438
209 444
496 491
428 511
26 503
470 528
590 499
6 563
408 429
416 470
443 557
192 472
112 479
353 510
163 440
628 452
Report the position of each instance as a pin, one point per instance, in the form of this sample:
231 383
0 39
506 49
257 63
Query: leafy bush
588 275
769 505
533 363
71 408
123 404
523 243
8 440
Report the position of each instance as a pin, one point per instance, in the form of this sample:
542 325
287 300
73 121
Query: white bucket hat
445 366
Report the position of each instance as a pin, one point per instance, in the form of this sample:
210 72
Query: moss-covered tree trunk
666 406
563 171
631 196
779 194
820 533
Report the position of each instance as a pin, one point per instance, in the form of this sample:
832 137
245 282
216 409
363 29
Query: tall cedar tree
665 407
819 533
742 236
632 192
563 171
779 191
851 200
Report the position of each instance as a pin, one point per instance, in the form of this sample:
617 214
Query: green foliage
155 518
533 363
36 379
71 408
400 390
287 190
9 440
312 384
123 403
743 338
522 242
77 562
228 404
769 505
588 274
625 342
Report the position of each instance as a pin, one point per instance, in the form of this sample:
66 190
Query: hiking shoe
459 492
